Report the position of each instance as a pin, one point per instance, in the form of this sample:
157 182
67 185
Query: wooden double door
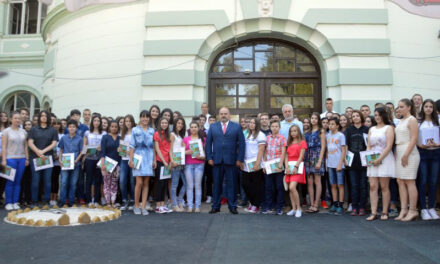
248 97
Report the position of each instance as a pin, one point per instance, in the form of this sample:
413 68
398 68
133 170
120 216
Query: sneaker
254 210
279 212
267 211
354 212
208 199
117 205
324 204
103 201
144 211
223 201
81 201
362 212
248 209
332 209
52 202
16 206
425 214
350 208
433 213
130 205
148 206
291 213
168 210
298 214
161 210
137 211
9 207
339 211
124 206
197 210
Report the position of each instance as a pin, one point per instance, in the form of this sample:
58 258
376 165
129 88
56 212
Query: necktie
224 128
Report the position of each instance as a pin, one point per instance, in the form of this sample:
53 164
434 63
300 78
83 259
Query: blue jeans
194 175
277 180
428 174
358 180
126 174
46 174
12 188
69 179
176 175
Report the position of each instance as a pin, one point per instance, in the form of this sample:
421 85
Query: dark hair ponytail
410 104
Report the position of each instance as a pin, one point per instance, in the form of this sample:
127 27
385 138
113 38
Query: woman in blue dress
314 161
142 144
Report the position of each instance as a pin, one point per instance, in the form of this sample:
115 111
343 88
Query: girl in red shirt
162 144
296 148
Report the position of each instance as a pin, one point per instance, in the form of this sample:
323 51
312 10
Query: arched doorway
261 76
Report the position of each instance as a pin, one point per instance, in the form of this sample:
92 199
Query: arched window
22 99
263 75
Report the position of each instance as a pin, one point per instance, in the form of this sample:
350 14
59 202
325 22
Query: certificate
250 165
197 147
292 165
109 164
179 156
137 160
67 161
349 158
165 173
90 150
365 139
8 173
41 164
369 157
272 166
430 135
124 148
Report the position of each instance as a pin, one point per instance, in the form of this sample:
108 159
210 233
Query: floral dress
143 145
312 153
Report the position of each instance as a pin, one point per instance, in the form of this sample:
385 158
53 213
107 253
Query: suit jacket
227 148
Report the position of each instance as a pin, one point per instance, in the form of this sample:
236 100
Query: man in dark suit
225 152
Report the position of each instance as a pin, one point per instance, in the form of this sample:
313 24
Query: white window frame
23 16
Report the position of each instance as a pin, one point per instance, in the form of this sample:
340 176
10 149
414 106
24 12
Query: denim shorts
336 177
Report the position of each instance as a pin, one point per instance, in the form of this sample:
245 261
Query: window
25 16
22 99
264 57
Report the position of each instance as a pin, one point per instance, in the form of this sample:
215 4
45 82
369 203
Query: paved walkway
225 238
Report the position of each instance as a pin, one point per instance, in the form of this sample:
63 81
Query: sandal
372 217
384 217
310 210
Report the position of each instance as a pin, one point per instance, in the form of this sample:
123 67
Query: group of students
285 156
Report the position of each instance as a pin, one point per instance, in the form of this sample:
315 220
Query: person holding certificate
92 146
225 152
380 140
109 149
295 173
42 140
70 144
253 175
14 155
429 149
194 165
177 136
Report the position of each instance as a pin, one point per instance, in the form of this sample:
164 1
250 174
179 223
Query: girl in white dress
381 139
407 160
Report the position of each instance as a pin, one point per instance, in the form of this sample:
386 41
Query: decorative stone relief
265 8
